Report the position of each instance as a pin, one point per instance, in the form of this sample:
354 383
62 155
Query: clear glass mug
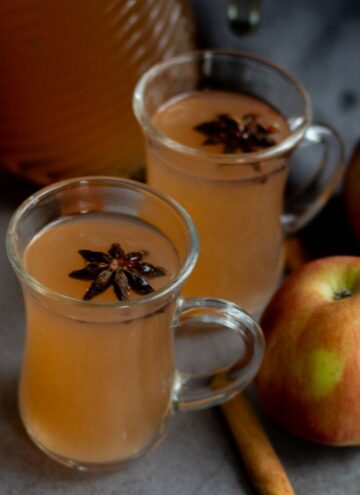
98 380
236 200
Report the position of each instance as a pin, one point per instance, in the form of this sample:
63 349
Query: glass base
97 466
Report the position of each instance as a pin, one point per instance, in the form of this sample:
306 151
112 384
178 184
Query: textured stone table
318 41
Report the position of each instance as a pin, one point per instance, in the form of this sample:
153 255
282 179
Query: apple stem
342 294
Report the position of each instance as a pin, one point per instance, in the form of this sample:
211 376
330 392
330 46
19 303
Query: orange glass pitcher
68 70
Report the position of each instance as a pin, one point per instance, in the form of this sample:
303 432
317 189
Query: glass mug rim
172 286
275 151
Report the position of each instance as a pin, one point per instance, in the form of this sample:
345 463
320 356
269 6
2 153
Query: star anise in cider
124 272
248 134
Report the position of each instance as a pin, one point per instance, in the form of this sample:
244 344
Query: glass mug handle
306 201
193 391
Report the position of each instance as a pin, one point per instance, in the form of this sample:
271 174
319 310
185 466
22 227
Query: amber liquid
68 69
95 386
236 208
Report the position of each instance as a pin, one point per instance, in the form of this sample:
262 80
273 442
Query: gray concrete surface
319 42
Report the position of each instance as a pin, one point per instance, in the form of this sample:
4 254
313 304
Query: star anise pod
117 269
247 135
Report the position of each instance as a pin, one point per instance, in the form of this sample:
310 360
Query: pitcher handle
306 202
198 391
243 15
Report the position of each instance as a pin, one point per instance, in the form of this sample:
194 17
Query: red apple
352 192
309 381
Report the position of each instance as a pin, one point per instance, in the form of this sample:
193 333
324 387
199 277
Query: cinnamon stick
261 461
295 254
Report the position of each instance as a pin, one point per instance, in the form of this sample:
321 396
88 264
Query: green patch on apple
325 372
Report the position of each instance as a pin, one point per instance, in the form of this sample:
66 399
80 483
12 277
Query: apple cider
236 207
95 385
